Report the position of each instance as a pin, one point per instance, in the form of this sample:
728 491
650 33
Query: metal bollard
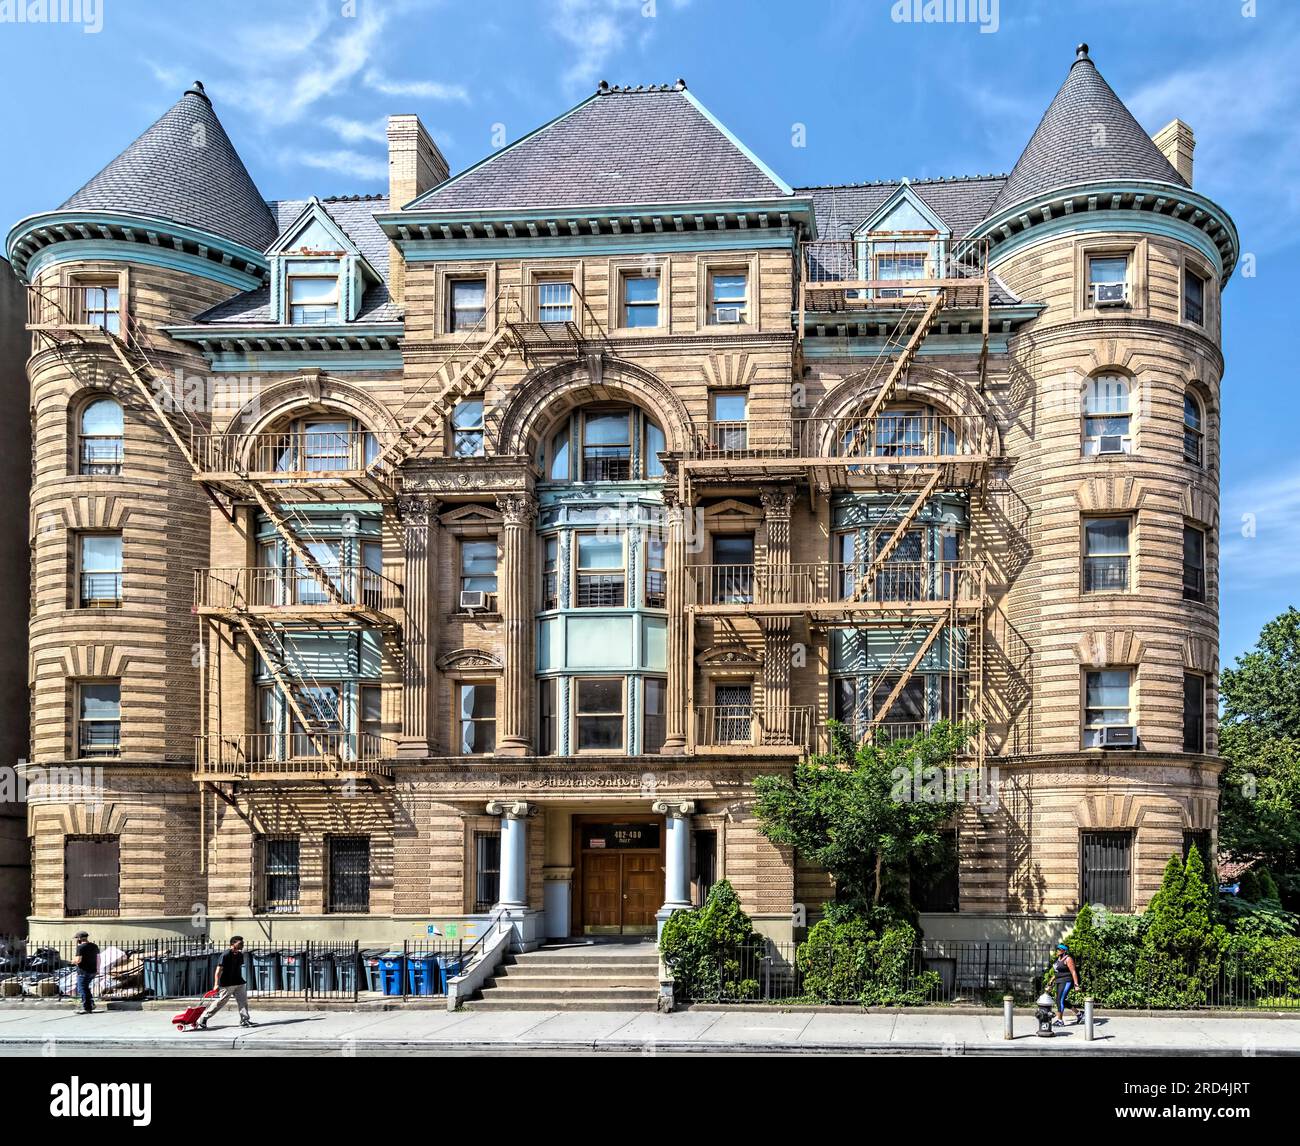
1087 1019
1008 1016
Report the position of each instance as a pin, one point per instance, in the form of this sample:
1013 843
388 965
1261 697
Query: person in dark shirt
87 964
229 983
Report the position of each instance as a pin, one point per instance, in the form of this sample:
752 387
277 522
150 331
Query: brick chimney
414 166
1176 143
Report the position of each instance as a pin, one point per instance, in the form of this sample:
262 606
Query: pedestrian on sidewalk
87 964
1067 979
229 983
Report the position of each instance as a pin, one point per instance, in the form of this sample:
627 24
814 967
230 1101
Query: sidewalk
686 1032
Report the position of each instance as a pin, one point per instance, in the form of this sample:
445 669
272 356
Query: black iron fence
138 969
940 972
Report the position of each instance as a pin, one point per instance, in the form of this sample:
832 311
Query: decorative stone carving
470 659
674 809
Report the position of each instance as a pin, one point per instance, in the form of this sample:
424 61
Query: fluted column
514 592
675 599
775 585
419 610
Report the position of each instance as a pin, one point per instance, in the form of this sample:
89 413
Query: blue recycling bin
392 968
422 973
345 971
265 975
449 966
322 972
293 970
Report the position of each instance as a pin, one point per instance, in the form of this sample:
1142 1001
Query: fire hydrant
1045 1015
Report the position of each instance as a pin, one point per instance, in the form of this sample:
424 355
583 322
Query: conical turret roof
1086 135
184 169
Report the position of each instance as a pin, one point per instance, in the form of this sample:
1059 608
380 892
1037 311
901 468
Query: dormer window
313 292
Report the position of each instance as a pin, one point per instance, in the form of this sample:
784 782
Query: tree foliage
1259 814
866 813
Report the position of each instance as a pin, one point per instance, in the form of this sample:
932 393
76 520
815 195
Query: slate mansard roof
620 146
1086 135
184 169
961 202
355 216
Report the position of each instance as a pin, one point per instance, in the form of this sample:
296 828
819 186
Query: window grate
1107 874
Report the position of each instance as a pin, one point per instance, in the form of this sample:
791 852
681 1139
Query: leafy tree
1259 815
864 812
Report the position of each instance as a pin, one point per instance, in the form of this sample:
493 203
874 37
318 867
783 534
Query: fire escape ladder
933 635
300 551
450 384
289 684
900 530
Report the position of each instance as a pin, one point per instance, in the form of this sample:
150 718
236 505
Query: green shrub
1183 945
856 959
1263 970
713 951
1265 917
1105 948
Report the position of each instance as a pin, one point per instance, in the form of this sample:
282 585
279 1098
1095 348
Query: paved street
51 1031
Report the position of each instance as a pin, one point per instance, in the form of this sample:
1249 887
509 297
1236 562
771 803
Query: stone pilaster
419 626
675 599
518 511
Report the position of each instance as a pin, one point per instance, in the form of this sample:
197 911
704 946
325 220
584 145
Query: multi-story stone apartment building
474 547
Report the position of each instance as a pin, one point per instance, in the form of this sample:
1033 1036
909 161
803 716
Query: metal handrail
291 587
834 582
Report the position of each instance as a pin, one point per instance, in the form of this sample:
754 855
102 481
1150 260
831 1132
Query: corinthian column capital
517 508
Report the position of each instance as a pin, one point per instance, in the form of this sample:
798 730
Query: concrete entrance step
567 994
492 1002
513 979
596 966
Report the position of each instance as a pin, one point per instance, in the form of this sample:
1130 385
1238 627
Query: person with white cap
87 964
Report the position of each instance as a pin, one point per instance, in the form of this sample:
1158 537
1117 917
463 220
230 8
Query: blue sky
303 87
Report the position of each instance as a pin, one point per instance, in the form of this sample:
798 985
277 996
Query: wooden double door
620 876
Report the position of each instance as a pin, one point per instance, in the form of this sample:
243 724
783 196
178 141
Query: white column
514 852
677 857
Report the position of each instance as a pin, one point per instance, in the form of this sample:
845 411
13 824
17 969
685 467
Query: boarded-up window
91 875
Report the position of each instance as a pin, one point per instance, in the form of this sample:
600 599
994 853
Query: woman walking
1067 979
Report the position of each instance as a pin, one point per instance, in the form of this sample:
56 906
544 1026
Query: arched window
1193 429
316 443
467 428
606 443
99 438
1107 419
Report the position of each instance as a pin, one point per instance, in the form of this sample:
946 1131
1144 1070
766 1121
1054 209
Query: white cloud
1270 509
1242 109
595 30
415 89
355 131
344 161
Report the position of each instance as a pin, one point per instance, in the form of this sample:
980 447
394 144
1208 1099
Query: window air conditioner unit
727 315
1119 736
1110 444
1109 294
471 599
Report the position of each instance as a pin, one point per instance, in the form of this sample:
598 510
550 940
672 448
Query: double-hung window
1193 563
1193 712
1106 554
601 577
101 304
728 297
476 713
487 870
640 300
607 446
1108 280
1107 419
733 569
598 714
467 306
313 297
100 438
99 565
478 567
1107 713
1193 297
554 300
654 719
1193 430
99 718
730 419
467 428
656 574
